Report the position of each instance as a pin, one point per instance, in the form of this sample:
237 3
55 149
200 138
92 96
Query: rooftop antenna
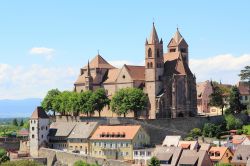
98 52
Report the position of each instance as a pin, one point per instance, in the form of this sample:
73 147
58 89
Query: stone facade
165 78
39 129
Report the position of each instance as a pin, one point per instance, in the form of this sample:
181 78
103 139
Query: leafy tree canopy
128 99
154 162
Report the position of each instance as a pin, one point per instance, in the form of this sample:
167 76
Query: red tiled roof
106 132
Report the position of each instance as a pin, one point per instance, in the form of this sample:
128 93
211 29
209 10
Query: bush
211 130
233 122
246 129
3 156
154 162
21 163
195 133
83 163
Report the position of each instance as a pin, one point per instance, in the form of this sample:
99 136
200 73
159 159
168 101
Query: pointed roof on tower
88 69
99 62
177 36
39 113
153 39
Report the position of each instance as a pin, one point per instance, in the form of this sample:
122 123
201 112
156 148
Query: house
58 135
168 156
194 158
142 156
244 92
118 142
191 145
241 155
237 140
246 141
78 140
171 141
220 154
204 146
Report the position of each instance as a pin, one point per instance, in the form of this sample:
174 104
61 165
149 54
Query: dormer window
172 50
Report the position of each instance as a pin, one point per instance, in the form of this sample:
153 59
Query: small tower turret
178 44
39 129
88 79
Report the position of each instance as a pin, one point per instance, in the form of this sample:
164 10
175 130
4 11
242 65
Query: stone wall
156 128
66 158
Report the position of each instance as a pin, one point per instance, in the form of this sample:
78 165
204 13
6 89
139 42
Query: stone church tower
154 66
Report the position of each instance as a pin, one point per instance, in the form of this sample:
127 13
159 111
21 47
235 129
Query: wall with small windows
39 129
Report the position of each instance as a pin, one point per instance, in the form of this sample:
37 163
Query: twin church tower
166 78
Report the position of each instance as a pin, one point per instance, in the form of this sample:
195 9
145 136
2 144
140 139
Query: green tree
154 162
99 99
195 133
137 100
49 100
26 124
128 99
233 122
234 100
3 156
65 105
211 130
119 102
85 104
14 122
74 104
217 98
21 123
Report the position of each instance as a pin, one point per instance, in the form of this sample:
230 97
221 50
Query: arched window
158 53
149 52
148 65
151 65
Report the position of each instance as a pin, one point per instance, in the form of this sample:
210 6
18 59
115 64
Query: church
166 78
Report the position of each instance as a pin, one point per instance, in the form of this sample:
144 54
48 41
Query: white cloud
48 53
221 67
18 82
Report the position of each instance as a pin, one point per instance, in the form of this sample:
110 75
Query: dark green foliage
154 162
48 102
86 107
211 130
195 133
223 164
21 123
233 122
99 100
83 163
21 163
128 99
3 156
234 100
15 123
217 98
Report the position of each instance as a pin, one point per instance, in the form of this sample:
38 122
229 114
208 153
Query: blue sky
44 43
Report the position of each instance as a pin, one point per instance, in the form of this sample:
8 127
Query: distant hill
18 108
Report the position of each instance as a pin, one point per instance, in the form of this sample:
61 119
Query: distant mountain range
18 108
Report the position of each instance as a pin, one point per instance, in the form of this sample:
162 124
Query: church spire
153 36
88 69
177 36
